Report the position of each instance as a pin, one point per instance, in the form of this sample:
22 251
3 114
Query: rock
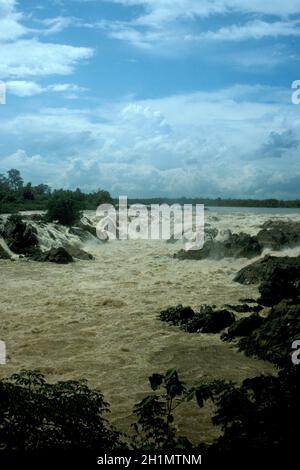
78 253
284 283
19 236
234 246
273 339
263 269
207 320
55 255
177 315
3 253
244 327
244 308
278 234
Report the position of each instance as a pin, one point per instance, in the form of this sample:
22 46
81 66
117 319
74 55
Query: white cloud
29 58
211 143
23 88
165 22
252 30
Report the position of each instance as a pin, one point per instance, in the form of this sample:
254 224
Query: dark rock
55 255
78 253
177 315
3 253
19 236
248 301
273 339
278 234
235 246
207 320
263 269
244 308
244 327
284 283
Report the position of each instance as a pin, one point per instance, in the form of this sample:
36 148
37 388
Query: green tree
63 208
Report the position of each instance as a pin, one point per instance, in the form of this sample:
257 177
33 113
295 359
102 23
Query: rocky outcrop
206 320
239 245
278 234
243 327
55 255
78 253
3 253
273 339
263 269
283 284
20 237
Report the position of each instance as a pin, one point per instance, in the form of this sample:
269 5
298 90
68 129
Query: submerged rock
239 245
263 269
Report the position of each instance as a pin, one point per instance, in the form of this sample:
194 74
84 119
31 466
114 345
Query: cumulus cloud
213 146
279 143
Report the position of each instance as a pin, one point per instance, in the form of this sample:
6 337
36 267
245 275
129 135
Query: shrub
36 415
62 208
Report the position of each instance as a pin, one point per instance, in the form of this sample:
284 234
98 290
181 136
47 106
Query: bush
62 208
35 415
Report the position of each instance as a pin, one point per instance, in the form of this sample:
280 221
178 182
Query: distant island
15 195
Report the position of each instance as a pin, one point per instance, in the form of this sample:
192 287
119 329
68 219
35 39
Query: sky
152 97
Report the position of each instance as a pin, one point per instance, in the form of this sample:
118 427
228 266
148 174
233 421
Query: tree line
16 195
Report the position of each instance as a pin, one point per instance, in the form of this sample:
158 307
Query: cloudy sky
152 97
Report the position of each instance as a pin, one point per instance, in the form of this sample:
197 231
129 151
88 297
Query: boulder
284 283
278 234
55 255
239 245
273 339
263 269
78 253
3 253
244 327
206 320
19 236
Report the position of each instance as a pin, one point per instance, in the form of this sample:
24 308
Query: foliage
36 415
63 209
154 428
16 196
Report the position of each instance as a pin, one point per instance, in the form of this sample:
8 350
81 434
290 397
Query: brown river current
98 320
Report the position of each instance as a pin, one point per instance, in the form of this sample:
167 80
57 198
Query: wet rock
78 253
19 236
177 315
234 246
273 339
284 283
244 327
55 255
278 234
3 253
263 269
206 320
244 308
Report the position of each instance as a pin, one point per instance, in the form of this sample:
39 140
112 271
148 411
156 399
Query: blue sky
152 97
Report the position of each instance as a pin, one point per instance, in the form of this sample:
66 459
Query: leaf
156 381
